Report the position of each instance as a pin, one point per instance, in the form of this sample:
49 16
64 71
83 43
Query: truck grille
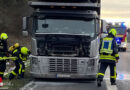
63 65
63 50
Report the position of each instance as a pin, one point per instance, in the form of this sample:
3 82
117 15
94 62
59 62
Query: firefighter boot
98 82
11 76
113 83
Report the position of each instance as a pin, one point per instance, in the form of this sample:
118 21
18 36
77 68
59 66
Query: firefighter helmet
16 45
24 50
113 32
3 36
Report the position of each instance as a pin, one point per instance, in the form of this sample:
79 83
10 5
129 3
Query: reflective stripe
15 51
22 58
23 70
5 58
114 77
1 72
108 57
100 74
116 55
20 69
104 48
115 72
12 58
13 73
119 35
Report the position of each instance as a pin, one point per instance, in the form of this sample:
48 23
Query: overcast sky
116 10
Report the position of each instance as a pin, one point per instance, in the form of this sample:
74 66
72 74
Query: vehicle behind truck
121 37
65 38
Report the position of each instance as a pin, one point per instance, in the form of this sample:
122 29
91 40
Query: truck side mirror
103 26
25 33
104 32
25 26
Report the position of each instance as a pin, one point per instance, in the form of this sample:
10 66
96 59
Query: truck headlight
91 65
41 51
123 44
34 60
91 62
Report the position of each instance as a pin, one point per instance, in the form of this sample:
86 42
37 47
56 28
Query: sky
116 11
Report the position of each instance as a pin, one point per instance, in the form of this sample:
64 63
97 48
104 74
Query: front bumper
51 67
123 45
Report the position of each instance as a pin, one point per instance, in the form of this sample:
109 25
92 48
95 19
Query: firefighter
21 53
3 52
108 57
13 47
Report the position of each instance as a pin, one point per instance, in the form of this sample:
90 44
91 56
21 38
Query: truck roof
64 5
32 3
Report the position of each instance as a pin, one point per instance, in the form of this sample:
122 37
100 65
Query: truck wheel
119 49
124 49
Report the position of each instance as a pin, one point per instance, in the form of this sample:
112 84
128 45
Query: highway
123 70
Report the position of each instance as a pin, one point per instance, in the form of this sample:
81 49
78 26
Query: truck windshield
62 26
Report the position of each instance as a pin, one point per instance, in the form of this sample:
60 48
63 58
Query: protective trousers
102 69
2 67
19 70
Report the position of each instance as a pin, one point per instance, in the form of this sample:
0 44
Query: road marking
26 87
109 86
107 80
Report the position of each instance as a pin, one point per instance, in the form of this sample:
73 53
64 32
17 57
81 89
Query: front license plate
62 76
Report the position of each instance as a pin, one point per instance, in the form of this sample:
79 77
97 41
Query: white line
109 86
26 86
34 87
107 80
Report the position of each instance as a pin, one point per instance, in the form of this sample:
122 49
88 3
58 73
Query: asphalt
63 85
123 70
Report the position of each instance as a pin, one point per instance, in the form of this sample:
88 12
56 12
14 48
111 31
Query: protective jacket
3 53
108 50
3 48
20 66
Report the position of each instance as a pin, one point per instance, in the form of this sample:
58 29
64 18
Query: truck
121 37
65 37
104 28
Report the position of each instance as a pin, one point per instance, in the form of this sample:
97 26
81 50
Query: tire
119 49
124 49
